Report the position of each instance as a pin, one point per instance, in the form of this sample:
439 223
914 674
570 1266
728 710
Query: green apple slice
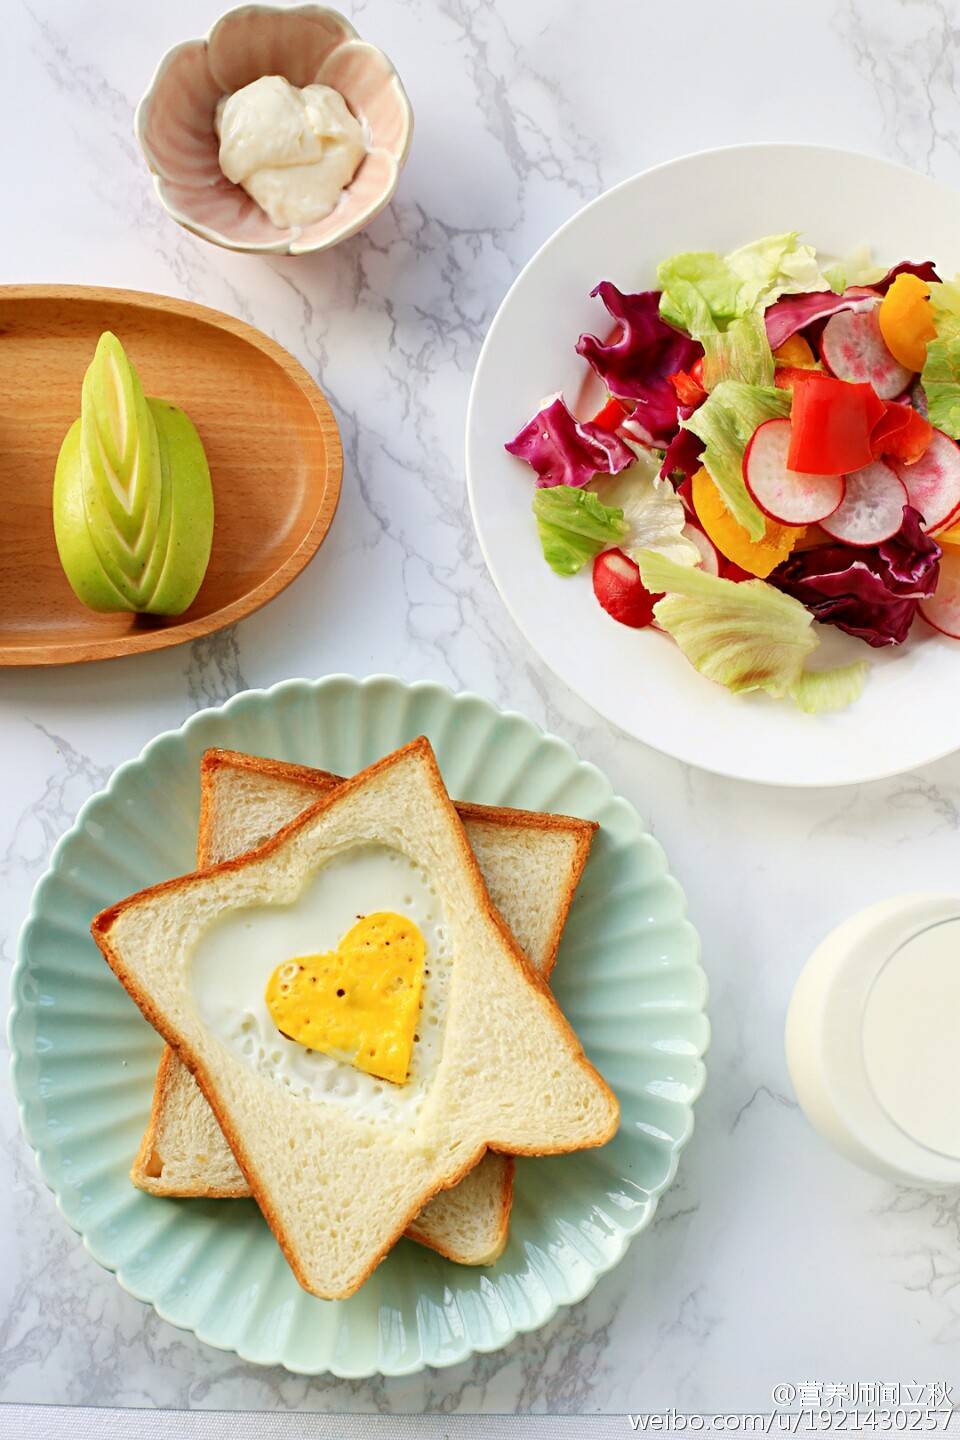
189 536
133 503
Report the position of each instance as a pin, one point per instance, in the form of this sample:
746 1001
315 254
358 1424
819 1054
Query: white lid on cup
873 1039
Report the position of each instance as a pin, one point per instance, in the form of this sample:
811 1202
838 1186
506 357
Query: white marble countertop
771 1260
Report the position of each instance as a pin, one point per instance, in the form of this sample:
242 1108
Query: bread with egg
337 1186
531 863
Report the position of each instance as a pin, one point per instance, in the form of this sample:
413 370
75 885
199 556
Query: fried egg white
236 957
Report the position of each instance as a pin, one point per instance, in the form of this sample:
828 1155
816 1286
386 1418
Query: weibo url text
798 1422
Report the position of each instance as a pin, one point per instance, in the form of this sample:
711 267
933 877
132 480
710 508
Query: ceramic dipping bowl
174 123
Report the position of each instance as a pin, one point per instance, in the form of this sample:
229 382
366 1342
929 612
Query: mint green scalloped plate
628 977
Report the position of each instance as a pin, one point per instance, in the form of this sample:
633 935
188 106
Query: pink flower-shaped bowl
174 122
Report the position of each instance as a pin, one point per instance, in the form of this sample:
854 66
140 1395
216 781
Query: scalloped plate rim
17 1014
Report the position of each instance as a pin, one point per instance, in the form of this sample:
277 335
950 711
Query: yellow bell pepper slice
796 352
950 536
758 557
906 321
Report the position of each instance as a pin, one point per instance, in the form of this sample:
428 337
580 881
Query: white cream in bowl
293 150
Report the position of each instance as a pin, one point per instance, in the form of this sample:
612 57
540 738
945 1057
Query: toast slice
531 863
338 1184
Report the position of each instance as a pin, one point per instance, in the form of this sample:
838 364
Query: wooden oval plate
270 437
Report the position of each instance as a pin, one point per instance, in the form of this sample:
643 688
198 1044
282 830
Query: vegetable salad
777 447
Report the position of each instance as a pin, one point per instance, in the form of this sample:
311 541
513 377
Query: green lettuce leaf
574 525
741 352
725 421
836 277
817 691
652 509
941 370
945 299
700 292
856 268
746 636
776 265
703 292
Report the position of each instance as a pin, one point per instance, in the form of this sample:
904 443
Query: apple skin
183 567
191 521
81 563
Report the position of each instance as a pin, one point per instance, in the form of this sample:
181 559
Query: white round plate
638 678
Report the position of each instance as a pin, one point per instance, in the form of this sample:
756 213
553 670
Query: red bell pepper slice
688 387
611 415
787 376
901 432
730 570
831 424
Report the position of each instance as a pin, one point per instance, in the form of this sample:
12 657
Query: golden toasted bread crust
424 1237
146 1170
583 831
321 781
103 923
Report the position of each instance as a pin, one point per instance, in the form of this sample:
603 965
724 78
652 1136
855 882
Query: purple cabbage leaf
868 591
792 313
683 455
566 451
923 269
637 364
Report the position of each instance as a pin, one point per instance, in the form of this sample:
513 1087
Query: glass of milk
873 1039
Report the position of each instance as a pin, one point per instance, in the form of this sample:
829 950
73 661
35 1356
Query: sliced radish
942 608
853 348
785 495
621 592
932 483
709 560
872 506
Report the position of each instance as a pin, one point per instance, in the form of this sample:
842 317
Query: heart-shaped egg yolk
360 1002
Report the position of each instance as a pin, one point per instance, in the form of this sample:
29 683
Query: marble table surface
771 1260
